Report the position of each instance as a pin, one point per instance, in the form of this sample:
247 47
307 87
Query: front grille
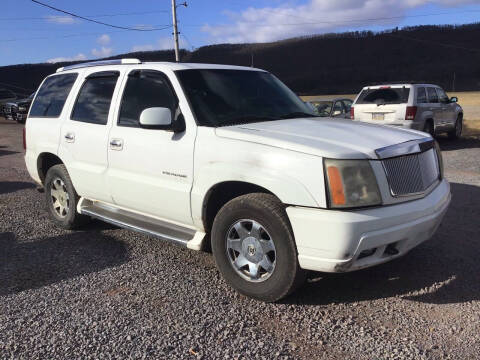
411 174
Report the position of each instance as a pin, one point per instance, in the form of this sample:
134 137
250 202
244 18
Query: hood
326 137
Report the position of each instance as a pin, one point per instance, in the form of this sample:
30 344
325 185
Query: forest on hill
328 64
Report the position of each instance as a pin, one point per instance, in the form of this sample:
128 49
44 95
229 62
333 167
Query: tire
263 225
456 133
428 128
62 199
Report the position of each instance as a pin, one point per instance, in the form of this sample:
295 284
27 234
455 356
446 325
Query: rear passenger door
448 109
435 107
150 170
84 135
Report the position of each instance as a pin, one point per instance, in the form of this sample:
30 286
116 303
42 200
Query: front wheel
62 199
254 248
456 133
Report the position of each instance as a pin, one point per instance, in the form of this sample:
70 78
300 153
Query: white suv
229 157
423 107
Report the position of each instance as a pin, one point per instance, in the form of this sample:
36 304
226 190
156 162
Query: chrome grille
411 174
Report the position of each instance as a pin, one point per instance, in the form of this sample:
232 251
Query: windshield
229 97
384 96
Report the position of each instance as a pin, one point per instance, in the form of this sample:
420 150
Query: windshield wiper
297 114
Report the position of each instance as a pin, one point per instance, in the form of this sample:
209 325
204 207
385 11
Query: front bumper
341 241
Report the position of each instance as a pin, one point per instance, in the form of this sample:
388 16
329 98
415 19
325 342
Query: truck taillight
352 113
24 138
411 112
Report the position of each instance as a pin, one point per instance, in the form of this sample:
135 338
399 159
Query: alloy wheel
251 250
60 197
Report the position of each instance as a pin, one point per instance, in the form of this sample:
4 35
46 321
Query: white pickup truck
229 158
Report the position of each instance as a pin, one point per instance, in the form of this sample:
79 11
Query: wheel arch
45 161
221 193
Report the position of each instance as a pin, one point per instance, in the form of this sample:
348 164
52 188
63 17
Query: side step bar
140 223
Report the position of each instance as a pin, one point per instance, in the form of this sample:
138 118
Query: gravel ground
108 293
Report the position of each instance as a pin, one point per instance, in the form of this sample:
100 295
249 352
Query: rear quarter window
52 95
384 96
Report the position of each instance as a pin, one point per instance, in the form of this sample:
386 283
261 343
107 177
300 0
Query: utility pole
175 30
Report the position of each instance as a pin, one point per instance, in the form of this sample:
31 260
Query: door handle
116 144
70 137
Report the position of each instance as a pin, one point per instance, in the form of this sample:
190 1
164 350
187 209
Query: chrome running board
136 222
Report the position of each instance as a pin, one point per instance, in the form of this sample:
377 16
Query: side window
144 89
432 95
337 108
347 104
421 95
94 98
442 97
52 95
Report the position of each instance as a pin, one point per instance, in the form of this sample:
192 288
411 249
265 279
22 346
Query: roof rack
100 63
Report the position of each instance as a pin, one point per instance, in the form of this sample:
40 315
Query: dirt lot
108 293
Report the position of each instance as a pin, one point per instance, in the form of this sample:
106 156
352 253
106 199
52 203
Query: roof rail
100 63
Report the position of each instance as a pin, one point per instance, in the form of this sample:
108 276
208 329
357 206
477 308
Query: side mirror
454 99
156 117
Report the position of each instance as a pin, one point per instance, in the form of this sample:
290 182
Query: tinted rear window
384 96
52 95
93 102
421 95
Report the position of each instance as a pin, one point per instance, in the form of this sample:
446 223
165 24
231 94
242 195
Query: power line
90 20
189 43
70 35
92 16
313 21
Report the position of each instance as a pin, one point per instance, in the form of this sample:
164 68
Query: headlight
22 108
439 158
351 183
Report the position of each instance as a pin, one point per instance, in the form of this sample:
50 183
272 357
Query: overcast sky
31 33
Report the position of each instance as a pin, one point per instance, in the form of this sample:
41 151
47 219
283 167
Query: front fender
288 189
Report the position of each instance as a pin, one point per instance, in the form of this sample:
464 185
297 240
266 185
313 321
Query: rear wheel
254 248
428 128
456 133
62 199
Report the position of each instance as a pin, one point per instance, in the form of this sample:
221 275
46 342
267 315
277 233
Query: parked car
229 158
6 96
19 109
423 107
7 110
332 108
